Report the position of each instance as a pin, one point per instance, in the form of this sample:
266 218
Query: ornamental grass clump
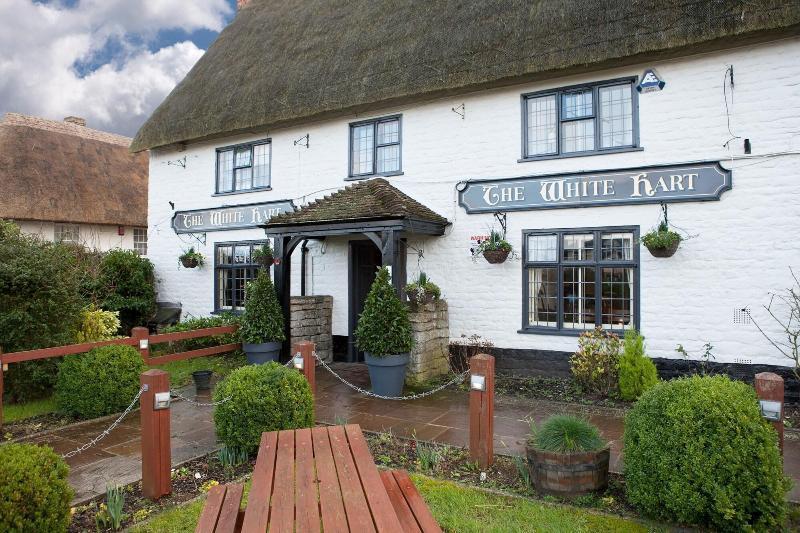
384 328
697 451
565 434
262 320
637 373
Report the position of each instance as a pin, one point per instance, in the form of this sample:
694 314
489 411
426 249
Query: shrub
41 307
565 434
698 451
98 325
595 365
637 373
34 493
100 382
126 283
262 320
266 397
384 328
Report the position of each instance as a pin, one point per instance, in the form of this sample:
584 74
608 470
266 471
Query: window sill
549 331
370 176
231 193
581 154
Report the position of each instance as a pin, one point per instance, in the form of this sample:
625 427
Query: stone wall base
312 321
431 327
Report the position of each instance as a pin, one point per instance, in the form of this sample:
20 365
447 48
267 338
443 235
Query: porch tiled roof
366 200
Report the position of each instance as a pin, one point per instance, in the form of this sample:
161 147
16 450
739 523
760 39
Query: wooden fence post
2 371
306 351
143 336
156 456
481 410
769 386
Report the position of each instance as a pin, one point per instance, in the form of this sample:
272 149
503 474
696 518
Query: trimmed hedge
697 451
34 493
264 397
100 382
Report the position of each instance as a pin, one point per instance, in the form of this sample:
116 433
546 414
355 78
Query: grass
456 508
180 372
12 412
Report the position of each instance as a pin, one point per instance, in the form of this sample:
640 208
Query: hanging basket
265 260
669 251
496 257
189 262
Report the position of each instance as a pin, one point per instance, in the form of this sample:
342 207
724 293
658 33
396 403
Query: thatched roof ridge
366 200
59 172
283 62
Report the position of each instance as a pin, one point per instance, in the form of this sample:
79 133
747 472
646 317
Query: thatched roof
366 200
283 62
64 172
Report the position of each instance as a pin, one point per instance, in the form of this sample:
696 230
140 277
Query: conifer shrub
261 398
384 328
697 451
34 493
262 320
637 373
100 382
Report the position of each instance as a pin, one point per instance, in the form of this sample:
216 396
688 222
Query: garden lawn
456 508
180 372
13 412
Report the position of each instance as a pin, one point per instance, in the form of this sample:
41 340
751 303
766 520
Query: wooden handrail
61 351
201 352
183 335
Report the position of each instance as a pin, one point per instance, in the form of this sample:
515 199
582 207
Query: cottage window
67 233
244 167
140 241
375 147
578 279
579 120
233 268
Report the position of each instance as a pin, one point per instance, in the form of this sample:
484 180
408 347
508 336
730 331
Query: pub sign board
228 217
688 182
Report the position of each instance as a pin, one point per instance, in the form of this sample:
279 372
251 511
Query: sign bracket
501 219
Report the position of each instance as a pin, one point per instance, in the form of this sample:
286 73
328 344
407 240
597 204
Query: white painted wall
95 236
743 244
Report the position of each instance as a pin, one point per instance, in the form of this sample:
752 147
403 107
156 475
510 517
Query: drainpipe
303 254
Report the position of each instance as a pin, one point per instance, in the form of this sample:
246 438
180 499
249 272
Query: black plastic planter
202 379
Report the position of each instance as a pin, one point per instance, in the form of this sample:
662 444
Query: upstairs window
140 241
578 279
244 167
67 233
580 120
375 147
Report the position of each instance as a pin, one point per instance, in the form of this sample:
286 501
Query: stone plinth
312 321
431 328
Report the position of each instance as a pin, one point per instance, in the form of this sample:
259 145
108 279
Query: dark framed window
581 119
233 268
577 279
375 147
244 167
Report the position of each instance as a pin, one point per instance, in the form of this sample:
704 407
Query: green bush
595 365
126 283
262 398
384 328
191 324
565 434
98 325
637 373
262 320
34 493
41 307
100 382
697 451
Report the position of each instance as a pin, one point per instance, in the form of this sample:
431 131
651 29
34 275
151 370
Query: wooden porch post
283 286
390 256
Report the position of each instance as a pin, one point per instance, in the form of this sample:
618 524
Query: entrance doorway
365 258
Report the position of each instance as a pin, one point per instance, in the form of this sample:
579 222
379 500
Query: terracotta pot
664 252
569 474
189 262
496 256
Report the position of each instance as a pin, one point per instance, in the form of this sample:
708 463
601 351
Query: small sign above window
671 183
231 217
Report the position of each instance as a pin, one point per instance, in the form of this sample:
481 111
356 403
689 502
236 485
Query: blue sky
109 61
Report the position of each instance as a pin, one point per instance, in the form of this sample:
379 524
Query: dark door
365 258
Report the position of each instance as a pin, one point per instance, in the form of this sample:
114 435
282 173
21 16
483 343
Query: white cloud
40 45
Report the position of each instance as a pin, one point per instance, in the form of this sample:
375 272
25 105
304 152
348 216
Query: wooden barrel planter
569 474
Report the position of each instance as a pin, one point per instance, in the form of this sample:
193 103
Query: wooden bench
315 479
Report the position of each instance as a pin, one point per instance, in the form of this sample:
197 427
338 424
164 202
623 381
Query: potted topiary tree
191 259
422 290
495 249
261 327
567 456
384 334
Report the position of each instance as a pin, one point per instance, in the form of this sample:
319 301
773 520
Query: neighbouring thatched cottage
67 182
360 133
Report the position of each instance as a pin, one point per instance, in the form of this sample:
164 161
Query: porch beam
283 286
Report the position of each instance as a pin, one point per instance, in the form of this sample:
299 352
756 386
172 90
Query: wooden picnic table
315 479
